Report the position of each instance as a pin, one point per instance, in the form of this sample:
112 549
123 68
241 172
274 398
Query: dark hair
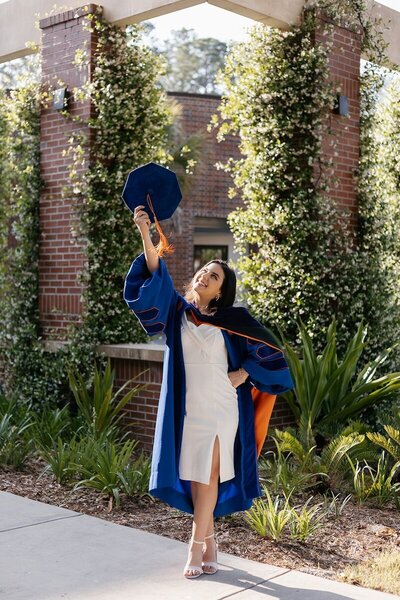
228 287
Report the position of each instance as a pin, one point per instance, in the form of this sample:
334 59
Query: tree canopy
192 62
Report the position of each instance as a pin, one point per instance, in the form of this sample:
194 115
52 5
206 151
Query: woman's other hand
238 377
142 220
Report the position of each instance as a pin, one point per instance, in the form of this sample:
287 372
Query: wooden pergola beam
18 18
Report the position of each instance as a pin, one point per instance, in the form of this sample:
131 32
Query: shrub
269 517
297 257
16 445
376 484
307 520
328 392
101 466
61 458
136 476
50 425
101 408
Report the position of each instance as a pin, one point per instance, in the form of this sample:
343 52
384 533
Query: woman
205 448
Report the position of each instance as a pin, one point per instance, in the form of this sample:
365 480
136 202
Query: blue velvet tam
154 187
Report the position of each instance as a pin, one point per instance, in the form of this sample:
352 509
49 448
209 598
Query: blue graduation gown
159 308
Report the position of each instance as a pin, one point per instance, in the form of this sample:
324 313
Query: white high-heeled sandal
198 570
210 564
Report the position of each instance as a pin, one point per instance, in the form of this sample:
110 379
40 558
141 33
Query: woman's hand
142 220
238 377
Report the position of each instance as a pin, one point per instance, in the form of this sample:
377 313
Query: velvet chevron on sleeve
262 356
149 295
267 368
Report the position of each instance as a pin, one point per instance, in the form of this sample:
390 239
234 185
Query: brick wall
344 74
140 413
61 257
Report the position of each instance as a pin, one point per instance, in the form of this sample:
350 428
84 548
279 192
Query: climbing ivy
379 208
129 125
299 260
19 227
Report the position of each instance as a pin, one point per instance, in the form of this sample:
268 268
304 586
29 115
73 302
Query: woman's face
208 281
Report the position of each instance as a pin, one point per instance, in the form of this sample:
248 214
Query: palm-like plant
391 444
289 442
337 449
100 407
377 484
328 464
282 474
327 391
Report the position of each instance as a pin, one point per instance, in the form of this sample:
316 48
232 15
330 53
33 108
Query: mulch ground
358 534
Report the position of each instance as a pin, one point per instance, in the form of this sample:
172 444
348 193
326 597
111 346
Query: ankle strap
196 542
207 537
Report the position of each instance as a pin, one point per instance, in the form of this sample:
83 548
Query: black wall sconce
61 99
341 106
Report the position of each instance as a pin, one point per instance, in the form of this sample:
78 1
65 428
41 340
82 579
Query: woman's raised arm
149 290
142 222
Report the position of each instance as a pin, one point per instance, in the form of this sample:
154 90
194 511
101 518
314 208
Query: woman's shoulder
182 305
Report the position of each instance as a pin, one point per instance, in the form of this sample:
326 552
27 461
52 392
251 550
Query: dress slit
216 437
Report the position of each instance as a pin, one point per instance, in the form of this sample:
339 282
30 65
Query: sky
205 19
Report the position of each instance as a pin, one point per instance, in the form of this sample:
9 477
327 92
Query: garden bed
357 535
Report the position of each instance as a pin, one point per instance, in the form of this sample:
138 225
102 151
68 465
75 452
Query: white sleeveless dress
211 404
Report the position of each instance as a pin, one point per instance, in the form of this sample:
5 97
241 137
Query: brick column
61 256
344 73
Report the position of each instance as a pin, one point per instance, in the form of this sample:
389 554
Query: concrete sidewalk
49 553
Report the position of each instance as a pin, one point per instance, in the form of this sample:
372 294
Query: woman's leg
210 528
204 501
210 551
